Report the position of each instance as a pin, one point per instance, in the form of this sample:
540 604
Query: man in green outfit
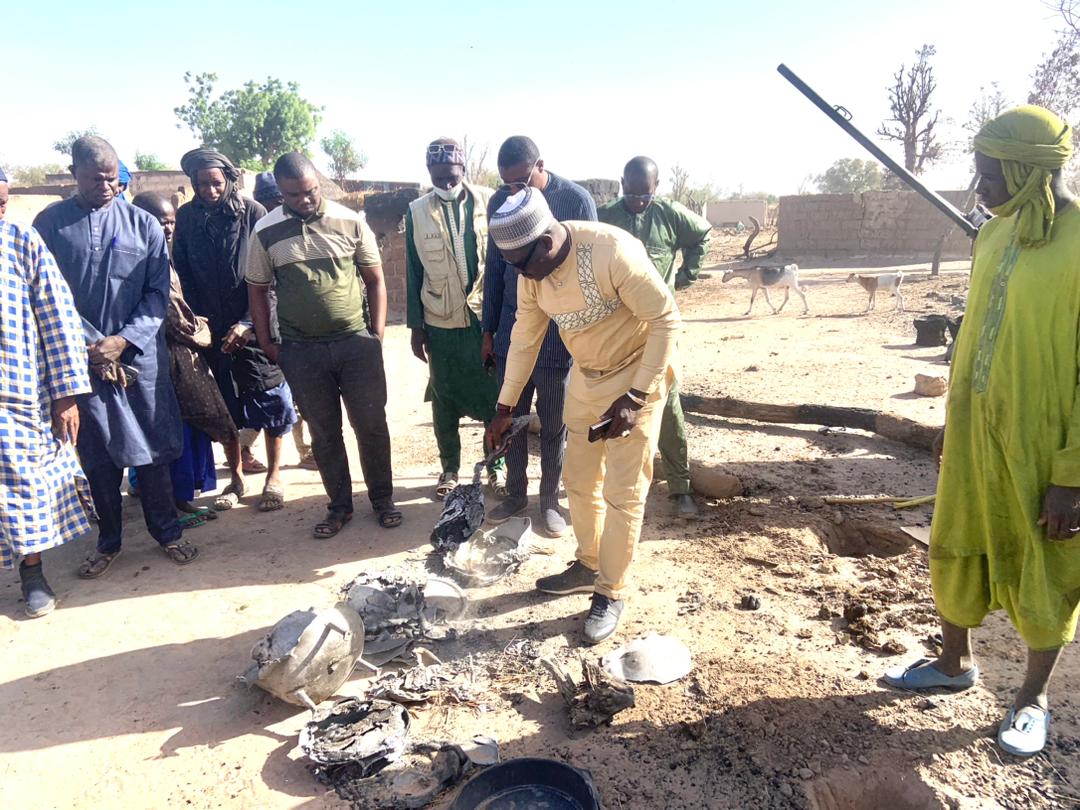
664 227
446 237
1007 518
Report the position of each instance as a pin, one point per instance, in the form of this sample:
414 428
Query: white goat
762 278
889 282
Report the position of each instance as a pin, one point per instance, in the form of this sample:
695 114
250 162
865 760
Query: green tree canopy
850 176
149 162
345 158
63 145
34 175
253 125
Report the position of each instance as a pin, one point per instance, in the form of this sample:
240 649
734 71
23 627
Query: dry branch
896 428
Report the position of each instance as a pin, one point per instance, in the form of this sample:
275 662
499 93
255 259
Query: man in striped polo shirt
520 165
331 306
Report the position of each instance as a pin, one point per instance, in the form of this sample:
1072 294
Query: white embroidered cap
521 220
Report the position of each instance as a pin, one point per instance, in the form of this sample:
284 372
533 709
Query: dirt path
125 696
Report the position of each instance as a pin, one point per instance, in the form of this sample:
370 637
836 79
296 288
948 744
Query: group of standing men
519 294
173 329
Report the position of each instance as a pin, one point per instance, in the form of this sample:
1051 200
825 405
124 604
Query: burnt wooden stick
896 428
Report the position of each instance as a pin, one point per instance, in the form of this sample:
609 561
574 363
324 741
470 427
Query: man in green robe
665 228
1008 505
446 239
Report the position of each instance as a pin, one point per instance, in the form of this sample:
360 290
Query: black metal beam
844 122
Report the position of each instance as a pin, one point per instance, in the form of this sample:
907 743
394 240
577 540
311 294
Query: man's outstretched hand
504 417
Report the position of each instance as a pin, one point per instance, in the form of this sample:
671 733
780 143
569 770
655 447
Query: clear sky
593 83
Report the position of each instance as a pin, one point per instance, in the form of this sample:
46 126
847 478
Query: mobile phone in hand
599 430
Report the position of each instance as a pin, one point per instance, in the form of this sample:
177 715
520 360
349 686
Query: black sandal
389 516
331 524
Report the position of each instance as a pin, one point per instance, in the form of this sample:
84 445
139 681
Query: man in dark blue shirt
520 165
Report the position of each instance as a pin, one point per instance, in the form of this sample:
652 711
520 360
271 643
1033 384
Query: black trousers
321 375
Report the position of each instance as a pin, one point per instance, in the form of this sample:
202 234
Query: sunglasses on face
441 149
524 263
514 186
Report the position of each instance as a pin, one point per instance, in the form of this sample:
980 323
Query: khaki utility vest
443 292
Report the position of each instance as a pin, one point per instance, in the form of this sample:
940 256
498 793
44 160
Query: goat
762 278
889 282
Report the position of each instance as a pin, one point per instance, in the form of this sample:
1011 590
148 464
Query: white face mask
449 194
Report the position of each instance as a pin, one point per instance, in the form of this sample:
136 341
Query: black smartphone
599 430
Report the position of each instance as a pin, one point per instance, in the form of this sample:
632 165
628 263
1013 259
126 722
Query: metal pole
844 122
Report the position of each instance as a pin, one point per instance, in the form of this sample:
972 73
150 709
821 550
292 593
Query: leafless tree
476 170
988 106
914 120
1069 11
680 180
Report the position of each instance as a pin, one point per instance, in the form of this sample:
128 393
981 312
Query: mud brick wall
728 212
899 223
392 248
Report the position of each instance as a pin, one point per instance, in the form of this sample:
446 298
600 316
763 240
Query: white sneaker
1023 732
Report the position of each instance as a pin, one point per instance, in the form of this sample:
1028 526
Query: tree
850 176
34 175
913 119
345 158
253 125
680 183
476 170
149 162
64 144
1069 11
988 106
699 197
1056 81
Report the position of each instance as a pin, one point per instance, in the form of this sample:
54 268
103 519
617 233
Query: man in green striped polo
322 260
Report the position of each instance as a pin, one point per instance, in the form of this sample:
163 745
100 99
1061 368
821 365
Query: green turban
1031 143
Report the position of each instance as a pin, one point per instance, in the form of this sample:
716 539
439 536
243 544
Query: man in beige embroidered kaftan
619 322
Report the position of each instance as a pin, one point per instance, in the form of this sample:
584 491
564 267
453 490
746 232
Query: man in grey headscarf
210 252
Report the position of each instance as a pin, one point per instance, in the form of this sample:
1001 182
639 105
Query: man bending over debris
1008 504
619 322
520 165
664 227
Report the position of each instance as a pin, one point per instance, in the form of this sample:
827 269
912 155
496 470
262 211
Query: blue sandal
923 675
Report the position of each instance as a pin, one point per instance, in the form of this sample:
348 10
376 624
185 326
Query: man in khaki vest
446 239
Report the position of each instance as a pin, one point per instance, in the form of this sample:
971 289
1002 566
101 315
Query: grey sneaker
575 579
603 618
685 507
552 520
37 594
510 507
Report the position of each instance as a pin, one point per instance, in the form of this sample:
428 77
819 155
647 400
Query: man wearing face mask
446 244
619 322
665 228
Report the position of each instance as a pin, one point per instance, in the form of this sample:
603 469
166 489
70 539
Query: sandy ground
126 695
